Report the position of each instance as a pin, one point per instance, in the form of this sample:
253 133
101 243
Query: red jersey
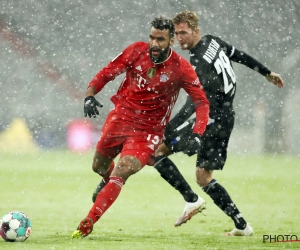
149 90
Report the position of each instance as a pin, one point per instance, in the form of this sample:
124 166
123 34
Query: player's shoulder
140 45
216 41
207 38
137 47
178 59
136 50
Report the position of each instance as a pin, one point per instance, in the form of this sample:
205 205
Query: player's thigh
203 176
162 150
141 146
112 137
214 143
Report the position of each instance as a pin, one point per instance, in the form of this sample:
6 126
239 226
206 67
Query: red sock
106 197
107 175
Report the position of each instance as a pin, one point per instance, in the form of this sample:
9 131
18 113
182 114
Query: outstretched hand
90 106
275 79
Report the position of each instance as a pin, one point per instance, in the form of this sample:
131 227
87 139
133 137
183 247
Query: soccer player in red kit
143 104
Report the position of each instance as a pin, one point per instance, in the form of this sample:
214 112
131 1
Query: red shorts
119 137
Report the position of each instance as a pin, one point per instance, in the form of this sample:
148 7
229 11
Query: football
15 226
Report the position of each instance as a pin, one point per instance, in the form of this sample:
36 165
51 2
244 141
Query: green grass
54 189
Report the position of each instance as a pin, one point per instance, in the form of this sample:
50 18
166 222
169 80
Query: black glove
194 144
90 106
197 138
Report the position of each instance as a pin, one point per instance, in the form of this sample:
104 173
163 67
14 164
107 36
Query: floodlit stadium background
50 50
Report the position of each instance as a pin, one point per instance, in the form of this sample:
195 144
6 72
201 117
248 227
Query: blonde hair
187 16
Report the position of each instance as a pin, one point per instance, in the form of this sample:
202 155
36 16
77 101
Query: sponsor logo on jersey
151 72
141 82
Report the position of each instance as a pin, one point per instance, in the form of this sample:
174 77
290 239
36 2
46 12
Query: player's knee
202 182
98 167
162 150
203 176
101 166
127 165
158 165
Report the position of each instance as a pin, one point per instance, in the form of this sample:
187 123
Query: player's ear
197 31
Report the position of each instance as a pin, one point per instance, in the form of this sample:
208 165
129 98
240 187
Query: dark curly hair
163 22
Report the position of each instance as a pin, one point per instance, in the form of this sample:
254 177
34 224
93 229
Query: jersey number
153 138
223 65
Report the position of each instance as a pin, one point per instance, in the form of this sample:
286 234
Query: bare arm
91 91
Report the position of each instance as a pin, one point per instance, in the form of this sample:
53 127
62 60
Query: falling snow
50 50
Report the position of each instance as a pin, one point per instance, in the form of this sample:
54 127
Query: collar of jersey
195 48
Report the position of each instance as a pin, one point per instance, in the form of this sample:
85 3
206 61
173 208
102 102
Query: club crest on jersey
164 77
151 72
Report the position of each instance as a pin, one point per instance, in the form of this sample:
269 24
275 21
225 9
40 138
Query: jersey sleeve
181 116
195 90
250 62
116 67
243 58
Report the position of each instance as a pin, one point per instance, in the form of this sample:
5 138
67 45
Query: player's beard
162 56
